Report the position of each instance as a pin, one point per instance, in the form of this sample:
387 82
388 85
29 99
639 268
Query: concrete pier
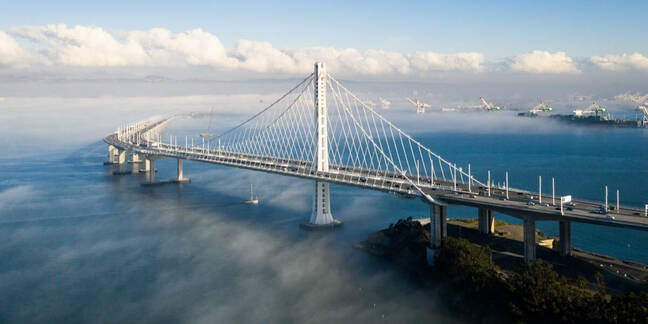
151 171
121 159
565 238
180 169
529 240
149 166
438 230
486 221
113 154
181 177
146 167
112 151
135 158
321 217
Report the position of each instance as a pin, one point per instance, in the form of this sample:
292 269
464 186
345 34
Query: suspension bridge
320 130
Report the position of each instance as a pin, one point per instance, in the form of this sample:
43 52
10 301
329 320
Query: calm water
80 245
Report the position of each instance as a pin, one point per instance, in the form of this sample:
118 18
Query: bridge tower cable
322 130
321 214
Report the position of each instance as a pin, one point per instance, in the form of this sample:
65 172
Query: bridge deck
442 190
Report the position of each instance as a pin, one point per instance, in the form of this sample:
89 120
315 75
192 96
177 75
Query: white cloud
89 46
632 98
544 62
92 46
195 47
262 57
426 61
622 62
14 55
353 61
84 45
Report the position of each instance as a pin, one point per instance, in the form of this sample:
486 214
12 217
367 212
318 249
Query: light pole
507 187
489 183
606 199
553 192
540 189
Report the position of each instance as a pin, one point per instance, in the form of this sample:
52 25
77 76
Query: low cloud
427 61
15 196
91 46
544 62
59 48
198 258
14 55
624 62
636 99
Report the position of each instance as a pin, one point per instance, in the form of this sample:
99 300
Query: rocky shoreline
489 270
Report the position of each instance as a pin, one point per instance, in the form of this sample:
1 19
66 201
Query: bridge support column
180 169
146 165
565 238
112 151
181 177
529 240
151 170
486 221
121 159
135 158
438 230
321 216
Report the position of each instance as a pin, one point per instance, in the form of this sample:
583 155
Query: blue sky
495 28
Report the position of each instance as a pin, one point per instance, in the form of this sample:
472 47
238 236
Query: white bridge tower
321 216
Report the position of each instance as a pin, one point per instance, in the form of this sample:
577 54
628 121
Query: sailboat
252 200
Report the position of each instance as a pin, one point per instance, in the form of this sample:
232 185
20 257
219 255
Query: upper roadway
442 191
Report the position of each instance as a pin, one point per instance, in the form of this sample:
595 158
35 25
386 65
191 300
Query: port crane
420 107
594 108
642 105
489 106
644 110
541 107
643 100
207 132
385 103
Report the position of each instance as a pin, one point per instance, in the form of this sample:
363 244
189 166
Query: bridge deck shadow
508 254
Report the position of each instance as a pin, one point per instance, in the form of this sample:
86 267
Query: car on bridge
603 210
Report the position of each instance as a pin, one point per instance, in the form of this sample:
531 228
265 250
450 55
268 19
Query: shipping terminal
594 115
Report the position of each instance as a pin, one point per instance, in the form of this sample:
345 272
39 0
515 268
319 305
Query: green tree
540 292
468 264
